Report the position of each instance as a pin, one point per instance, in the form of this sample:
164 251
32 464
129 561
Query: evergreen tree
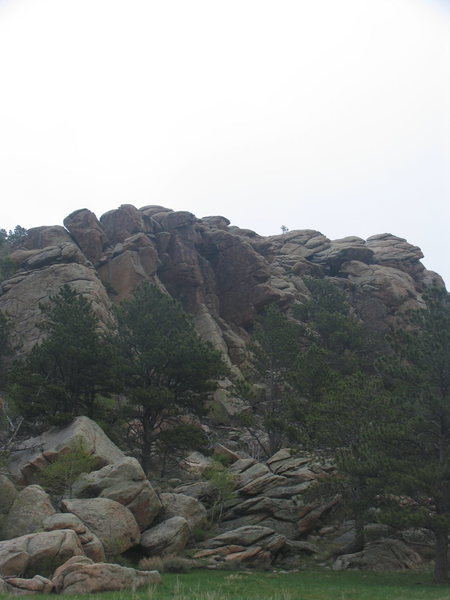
167 371
275 345
416 443
7 242
64 374
346 396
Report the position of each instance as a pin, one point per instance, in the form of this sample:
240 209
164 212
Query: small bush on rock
58 478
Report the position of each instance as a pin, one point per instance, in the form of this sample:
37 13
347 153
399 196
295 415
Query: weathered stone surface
45 448
201 490
18 586
122 223
86 230
254 545
133 261
381 555
82 576
37 552
110 521
223 275
310 518
184 506
22 294
196 462
169 537
31 506
222 450
126 483
261 484
245 536
92 546
242 465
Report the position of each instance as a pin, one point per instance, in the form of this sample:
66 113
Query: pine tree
416 443
167 371
275 345
65 373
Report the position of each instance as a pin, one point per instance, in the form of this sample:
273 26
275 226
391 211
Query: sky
325 114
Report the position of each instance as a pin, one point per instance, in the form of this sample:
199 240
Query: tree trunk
441 560
147 442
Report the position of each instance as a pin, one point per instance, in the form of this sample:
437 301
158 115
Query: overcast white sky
321 114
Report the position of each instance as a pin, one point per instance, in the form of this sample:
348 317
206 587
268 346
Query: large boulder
184 506
18 586
31 506
169 537
80 575
22 294
126 483
92 546
254 545
36 553
36 453
87 232
110 521
382 555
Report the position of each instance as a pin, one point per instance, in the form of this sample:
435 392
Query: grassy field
305 585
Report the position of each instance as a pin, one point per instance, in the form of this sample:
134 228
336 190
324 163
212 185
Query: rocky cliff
224 276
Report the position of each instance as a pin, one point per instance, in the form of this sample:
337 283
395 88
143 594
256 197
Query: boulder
310 515
382 555
247 536
184 506
83 576
201 490
85 228
31 506
254 545
169 537
17 586
126 483
37 552
110 521
36 453
92 546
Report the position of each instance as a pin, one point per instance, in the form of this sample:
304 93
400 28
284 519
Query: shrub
58 477
222 484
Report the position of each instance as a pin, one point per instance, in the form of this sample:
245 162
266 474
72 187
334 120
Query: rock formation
223 275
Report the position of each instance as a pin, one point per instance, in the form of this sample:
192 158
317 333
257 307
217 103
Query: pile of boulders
74 547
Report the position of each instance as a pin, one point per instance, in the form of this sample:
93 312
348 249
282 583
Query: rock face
31 506
381 555
37 552
79 575
111 522
223 275
169 537
44 449
184 506
126 483
92 546
254 545
17 586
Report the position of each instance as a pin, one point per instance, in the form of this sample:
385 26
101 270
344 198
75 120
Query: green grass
305 585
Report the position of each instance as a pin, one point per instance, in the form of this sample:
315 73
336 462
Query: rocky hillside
224 276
